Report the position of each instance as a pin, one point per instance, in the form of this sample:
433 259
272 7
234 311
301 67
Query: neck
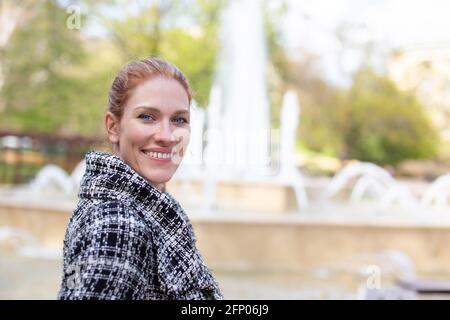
160 186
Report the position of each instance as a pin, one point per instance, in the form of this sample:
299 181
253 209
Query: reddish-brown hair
136 72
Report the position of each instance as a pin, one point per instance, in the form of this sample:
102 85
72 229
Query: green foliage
57 80
194 55
371 121
38 91
388 126
154 31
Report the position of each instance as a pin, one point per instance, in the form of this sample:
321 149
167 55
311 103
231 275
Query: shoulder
105 209
108 230
112 216
119 215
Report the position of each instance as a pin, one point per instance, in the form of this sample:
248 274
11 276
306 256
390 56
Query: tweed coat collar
180 265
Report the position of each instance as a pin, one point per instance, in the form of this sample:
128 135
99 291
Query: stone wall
274 241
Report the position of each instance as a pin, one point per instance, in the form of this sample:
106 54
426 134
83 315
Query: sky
311 24
400 22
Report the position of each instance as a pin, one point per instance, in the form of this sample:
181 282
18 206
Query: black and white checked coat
128 240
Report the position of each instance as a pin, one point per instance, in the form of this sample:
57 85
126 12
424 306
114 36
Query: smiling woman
128 238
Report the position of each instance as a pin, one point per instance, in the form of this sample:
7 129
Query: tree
12 15
183 33
38 91
374 121
388 125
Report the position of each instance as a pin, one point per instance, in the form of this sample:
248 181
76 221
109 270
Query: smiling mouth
161 156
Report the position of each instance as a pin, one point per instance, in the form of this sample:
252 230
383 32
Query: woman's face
154 130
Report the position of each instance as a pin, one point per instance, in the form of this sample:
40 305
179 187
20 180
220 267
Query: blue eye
180 120
146 117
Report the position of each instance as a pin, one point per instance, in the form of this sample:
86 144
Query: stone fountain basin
323 234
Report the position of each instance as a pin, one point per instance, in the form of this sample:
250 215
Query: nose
164 134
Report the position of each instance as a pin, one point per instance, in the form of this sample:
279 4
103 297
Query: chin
158 180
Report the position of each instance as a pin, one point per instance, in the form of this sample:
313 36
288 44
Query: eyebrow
156 110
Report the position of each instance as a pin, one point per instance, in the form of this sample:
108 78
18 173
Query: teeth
158 155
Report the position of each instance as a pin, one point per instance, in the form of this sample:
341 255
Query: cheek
135 135
182 134
186 138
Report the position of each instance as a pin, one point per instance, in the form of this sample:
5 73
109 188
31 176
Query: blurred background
350 101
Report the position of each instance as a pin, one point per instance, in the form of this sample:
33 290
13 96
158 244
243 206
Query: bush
372 121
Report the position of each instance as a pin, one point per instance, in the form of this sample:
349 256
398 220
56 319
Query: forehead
162 93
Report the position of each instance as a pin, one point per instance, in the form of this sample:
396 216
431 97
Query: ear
112 127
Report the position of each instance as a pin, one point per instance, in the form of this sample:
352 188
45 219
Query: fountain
437 193
240 170
51 178
289 172
51 189
242 115
372 180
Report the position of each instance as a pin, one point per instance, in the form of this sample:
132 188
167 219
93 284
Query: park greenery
370 121
56 79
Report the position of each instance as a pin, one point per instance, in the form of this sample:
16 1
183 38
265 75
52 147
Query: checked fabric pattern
128 240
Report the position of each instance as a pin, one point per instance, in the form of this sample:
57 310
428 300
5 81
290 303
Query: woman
128 238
